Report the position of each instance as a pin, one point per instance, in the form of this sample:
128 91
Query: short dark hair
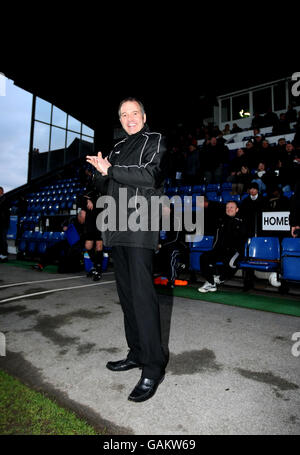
132 100
233 202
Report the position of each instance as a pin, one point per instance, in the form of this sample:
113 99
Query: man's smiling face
132 119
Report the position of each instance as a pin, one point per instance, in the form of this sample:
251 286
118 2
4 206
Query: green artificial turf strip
26 412
264 303
28 264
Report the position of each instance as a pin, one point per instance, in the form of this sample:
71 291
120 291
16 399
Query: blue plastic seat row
212 196
261 253
36 242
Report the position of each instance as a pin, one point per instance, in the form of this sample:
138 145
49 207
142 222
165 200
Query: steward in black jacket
133 169
138 167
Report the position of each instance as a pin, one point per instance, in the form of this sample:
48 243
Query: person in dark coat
295 212
93 236
275 200
228 248
251 210
172 254
136 168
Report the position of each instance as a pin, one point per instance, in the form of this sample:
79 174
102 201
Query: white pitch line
24 296
46 281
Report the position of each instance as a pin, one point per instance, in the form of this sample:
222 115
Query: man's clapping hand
100 163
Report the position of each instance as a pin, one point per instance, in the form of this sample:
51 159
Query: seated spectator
242 180
283 126
295 212
256 153
296 140
291 114
220 138
175 163
229 246
172 254
287 155
239 161
266 151
278 150
256 132
270 118
212 158
213 211
279 176
236 163
236 128
249 146
192 165
295 170
260 176
68 256
275 200
226 129
257 121
251 209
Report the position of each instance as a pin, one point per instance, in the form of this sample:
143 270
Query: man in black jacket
228 248
251 209
135 167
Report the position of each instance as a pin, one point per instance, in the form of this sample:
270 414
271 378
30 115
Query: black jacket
138 164
251 212
4 213
231 235
295 207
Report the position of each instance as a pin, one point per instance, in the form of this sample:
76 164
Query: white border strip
24 296
48 281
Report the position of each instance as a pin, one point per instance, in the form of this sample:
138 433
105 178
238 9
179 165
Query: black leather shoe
122 365
145 389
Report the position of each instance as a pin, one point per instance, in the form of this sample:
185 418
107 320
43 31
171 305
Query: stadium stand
58 196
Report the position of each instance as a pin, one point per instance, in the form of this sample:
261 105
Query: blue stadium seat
45 242
22 247
198 248
33 243
290 259
213 187
185 190
226 196
288 194
58 236
262 253
243 196
200 189
226 186
213 196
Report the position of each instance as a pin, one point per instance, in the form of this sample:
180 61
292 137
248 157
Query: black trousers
133 271
3 241
208 265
